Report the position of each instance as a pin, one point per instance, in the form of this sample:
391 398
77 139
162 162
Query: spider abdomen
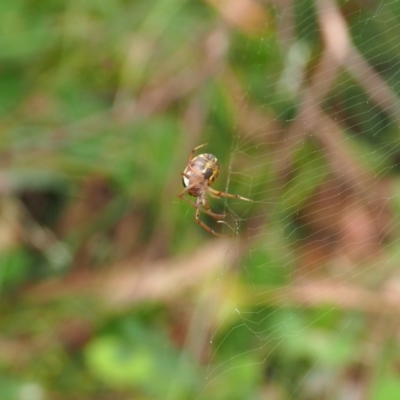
203 169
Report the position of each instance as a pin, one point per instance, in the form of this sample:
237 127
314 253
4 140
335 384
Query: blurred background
108 287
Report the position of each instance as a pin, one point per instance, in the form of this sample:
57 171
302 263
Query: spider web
299 102
316 268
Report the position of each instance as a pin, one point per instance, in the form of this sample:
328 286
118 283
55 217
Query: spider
199 175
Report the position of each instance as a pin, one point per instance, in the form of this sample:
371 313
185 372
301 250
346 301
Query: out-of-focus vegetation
108 287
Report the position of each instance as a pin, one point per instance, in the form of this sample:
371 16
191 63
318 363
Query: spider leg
213 195
206 227
190 160
205 208
187 175
216 193
187 189
194 151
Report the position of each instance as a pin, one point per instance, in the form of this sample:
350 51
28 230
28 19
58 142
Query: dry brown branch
253 122
286 24
336 47
156 99
247 15
368 188
352 177
335 293
131 282
375 86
